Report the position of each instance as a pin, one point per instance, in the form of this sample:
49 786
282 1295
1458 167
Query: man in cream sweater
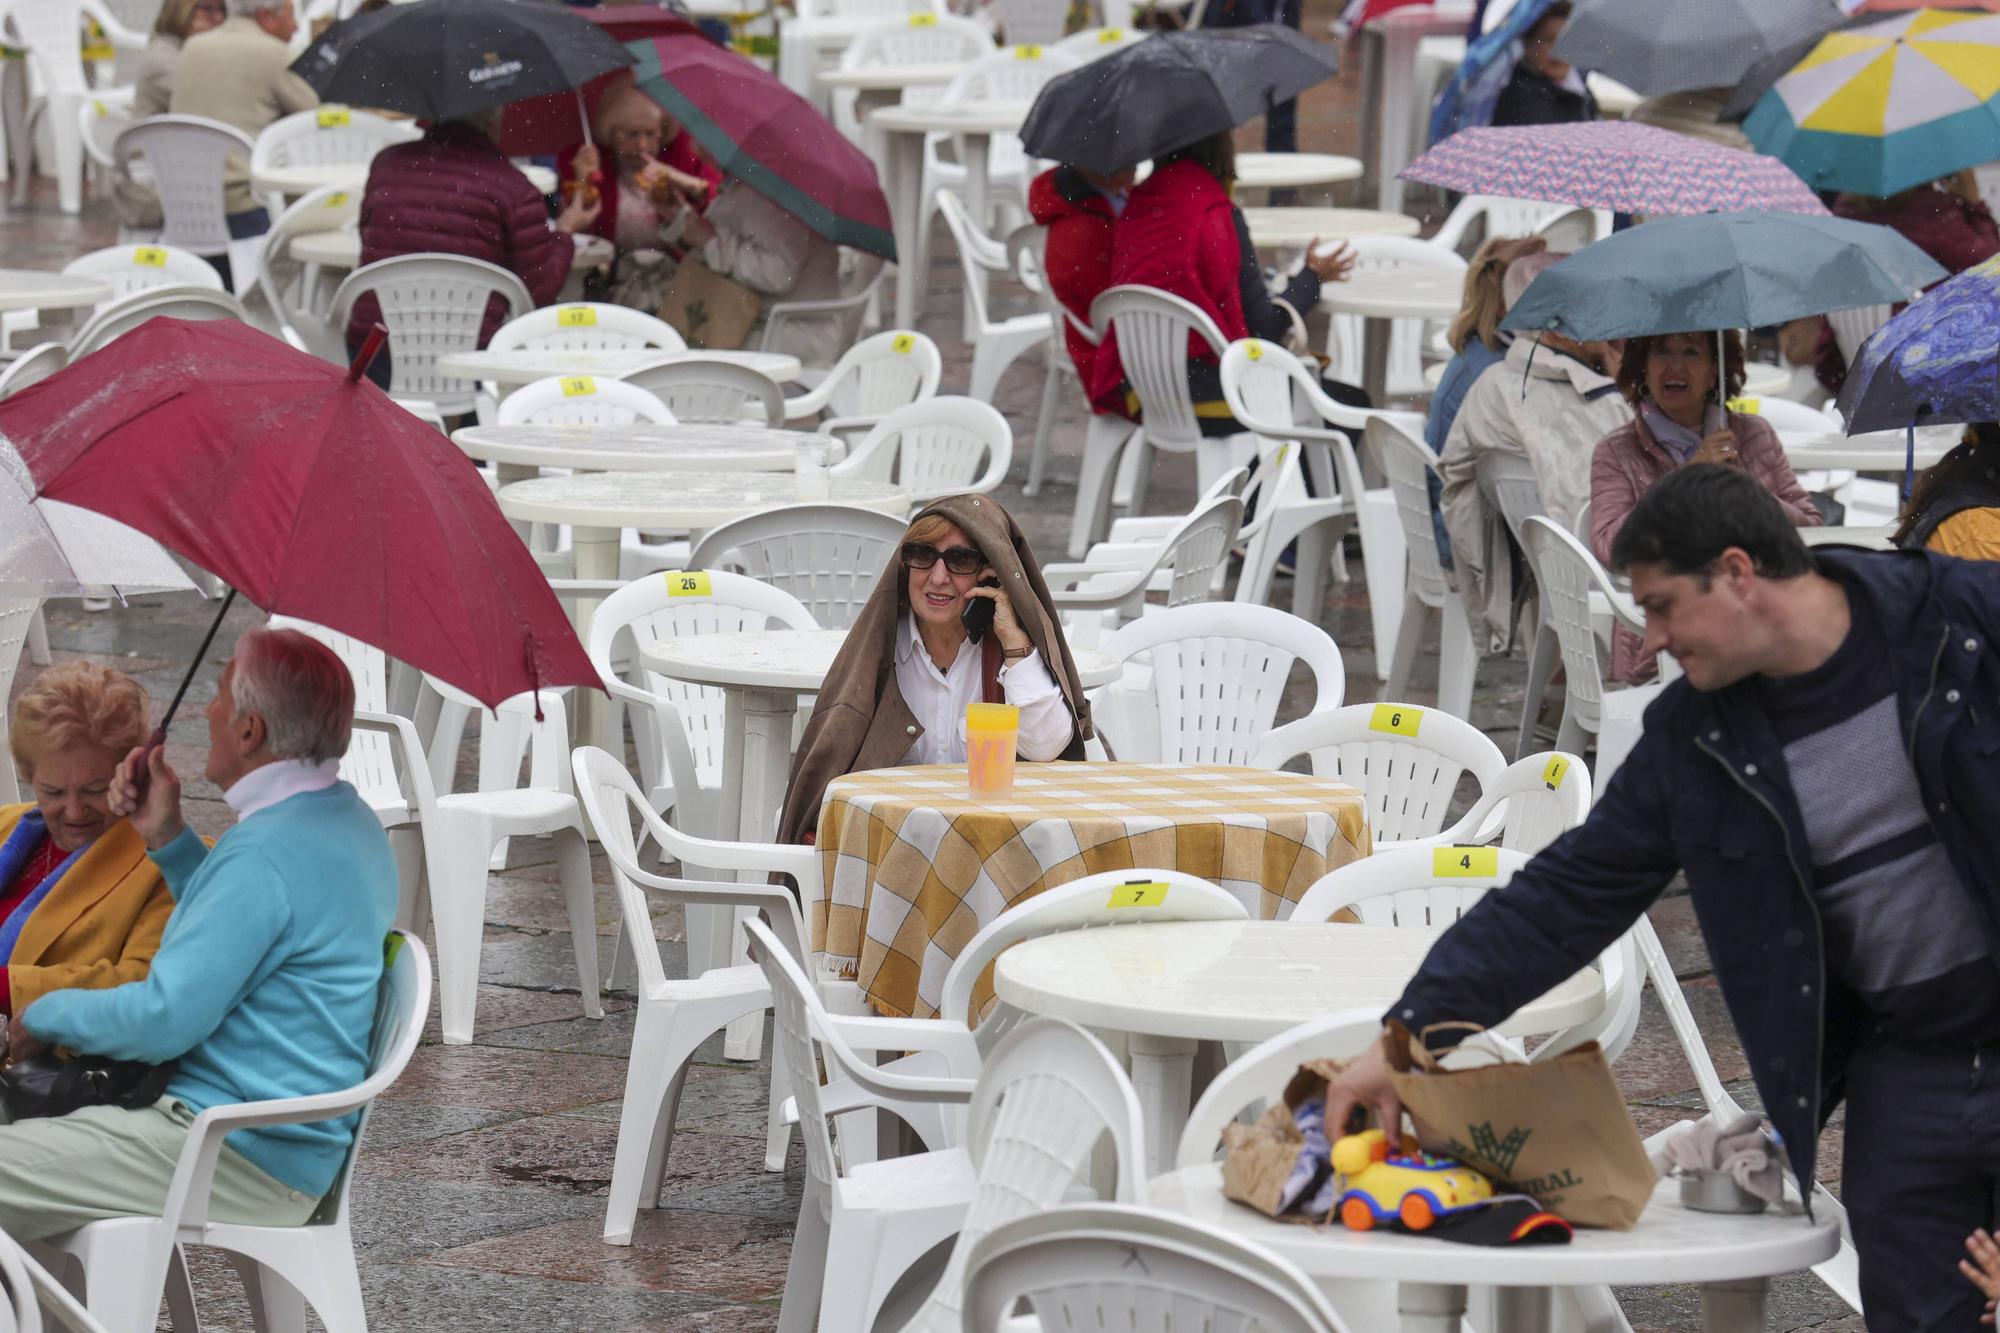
266 979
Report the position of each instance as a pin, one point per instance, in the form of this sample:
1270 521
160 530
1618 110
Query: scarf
14 854
1677 440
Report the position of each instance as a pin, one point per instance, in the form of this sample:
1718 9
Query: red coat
1078 254
681 155
453 192
1950 230
1177 233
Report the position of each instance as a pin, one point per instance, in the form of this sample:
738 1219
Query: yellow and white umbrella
1879 108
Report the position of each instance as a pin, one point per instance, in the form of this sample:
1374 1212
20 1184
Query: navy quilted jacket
453 192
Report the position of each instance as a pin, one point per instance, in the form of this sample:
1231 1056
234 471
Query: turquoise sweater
266 978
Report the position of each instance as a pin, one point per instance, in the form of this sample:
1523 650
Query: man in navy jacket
1827 776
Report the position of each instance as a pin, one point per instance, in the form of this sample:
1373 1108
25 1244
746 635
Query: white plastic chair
580 400
996 343
126 1260
1851 328
1257 1077
432 304
1408 462
328 135
1405 759
1094 1269
1188 562
706 388
806 329
117 318
585 326
1424 885
1031 22
873 378
1528 805
185 157
1503 216
677 727
1153 328
908 39
1268 389
51 31
1049 1093
300 294
860 1225
129 269
1567 574
25 1287
1092 43
99 121
827 556
32 367
1025 258
1217 672
677 1014
1345 336
935 447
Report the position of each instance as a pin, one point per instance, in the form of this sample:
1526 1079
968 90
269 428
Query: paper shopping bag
1259 1158
712 312
1556 1130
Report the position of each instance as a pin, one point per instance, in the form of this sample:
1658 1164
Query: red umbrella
306 489
541 125
769 137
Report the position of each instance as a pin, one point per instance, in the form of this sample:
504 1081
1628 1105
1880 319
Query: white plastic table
524 365
304 178
1382 296
1875 451
889 78
903 130
1281 228
1288 171
517 452
762 674
1172 985
600 505
1731 1256
38 289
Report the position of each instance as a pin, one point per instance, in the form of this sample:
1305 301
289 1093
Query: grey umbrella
1655 48
1721 271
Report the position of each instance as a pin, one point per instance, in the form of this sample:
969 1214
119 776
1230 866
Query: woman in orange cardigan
81 904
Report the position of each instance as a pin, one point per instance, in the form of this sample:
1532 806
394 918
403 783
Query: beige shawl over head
861 721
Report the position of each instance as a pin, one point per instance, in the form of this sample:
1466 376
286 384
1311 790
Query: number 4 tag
1465 862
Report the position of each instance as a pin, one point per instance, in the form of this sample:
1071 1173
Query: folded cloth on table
1739 1149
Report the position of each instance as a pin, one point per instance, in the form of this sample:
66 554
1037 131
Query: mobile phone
977 617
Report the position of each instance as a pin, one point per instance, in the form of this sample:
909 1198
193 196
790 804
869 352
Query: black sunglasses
957 559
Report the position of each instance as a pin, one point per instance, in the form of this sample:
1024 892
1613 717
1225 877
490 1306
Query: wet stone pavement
478 1199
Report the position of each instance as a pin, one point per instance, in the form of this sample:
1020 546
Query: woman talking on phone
960 616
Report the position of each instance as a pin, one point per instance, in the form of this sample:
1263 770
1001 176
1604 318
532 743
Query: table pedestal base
766 718
595 551
1162 1072
1426 1307
1734 1307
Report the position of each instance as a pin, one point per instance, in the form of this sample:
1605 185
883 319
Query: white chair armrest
186 1207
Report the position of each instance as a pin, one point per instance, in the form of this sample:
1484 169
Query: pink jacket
1629 460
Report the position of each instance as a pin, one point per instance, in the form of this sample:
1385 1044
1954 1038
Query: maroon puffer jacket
453 192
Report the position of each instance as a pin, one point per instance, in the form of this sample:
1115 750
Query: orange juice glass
991 733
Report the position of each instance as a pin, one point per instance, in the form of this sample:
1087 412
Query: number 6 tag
1396 719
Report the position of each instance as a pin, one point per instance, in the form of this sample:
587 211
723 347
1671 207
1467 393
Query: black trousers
1919 1172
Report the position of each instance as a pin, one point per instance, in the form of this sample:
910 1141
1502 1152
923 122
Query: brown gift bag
1257 1158
1556 1130
712 312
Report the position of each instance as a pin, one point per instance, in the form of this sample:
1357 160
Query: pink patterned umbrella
1613 164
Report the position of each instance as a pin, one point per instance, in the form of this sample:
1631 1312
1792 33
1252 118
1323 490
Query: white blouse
937 699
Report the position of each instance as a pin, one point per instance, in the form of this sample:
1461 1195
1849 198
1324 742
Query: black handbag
46 1085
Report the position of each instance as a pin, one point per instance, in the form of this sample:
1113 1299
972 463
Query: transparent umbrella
51 549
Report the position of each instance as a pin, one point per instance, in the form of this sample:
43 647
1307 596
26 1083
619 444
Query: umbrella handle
142 777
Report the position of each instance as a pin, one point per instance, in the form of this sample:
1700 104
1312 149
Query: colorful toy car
1411 1186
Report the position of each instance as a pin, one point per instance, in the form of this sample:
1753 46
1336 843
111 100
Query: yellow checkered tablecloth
915 864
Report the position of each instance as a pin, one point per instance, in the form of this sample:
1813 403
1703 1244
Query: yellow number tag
1749 407
575 317
1253 349
1553 771
333 117
1110 35
578 386
1139 893
102 110
923 20
903 342
336 200
689 583
1027 53
1396 719
149 256
1465 862
1284 452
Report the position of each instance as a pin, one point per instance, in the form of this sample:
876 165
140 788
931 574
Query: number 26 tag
1139 893
689 583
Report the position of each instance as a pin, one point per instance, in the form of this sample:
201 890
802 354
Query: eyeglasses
957 559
